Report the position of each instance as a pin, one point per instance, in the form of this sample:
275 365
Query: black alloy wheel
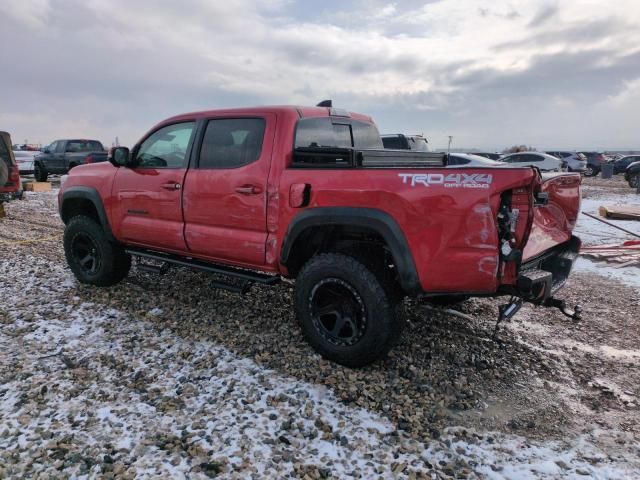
338 312
85 253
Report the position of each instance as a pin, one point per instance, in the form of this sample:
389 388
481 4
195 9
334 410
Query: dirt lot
167 376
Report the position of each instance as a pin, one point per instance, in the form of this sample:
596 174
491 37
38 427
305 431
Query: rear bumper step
542 277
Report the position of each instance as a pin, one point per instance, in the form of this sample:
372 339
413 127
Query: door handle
249 190
171 186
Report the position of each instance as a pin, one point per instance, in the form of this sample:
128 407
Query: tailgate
554 222
10 178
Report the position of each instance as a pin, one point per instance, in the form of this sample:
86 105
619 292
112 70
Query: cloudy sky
556 74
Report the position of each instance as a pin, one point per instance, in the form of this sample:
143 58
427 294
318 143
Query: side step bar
247 275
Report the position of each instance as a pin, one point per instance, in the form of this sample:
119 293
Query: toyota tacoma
256 195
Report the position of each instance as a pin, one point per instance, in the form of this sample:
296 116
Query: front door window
167 147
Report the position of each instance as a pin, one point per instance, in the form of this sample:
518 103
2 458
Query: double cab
309 194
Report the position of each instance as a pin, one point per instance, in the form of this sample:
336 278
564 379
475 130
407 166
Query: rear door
147 210
225 196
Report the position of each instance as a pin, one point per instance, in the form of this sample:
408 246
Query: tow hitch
507 311
575 314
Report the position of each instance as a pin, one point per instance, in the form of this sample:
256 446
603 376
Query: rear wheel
92 257
633 180
590 171
347 313
40 173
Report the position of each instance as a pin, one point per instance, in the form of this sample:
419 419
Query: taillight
14 176
89 159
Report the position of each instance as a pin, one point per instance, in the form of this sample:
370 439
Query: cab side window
166 147
232 142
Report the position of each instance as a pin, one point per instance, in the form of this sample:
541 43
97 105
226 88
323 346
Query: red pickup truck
309 193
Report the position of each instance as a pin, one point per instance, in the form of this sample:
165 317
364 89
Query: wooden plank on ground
620 212
37 186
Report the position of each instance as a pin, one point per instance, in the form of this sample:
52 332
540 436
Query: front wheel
590 171
40 173
633 180
92 257
347 313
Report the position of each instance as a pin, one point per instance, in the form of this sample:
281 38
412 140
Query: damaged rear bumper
539 279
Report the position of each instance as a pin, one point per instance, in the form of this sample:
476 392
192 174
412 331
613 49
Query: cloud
111 67
545 14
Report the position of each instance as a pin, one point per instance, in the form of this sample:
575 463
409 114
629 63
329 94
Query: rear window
395 143
343 133
74 146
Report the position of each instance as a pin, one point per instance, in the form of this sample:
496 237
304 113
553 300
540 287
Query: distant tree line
519 148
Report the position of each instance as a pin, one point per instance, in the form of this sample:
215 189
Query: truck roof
300 111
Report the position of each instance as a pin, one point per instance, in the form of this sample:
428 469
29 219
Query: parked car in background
594 163
399 141
576 162
30 147
25 160
490 156
543 161
632 174
471 160
63 155
620 166
612 157
10 186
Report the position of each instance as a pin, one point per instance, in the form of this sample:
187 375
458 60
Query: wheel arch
81 200
325 219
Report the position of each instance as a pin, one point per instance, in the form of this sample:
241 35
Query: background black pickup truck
62 155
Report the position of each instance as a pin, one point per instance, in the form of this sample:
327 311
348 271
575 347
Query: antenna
325 103
449 147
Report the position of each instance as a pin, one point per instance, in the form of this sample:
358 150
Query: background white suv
543 161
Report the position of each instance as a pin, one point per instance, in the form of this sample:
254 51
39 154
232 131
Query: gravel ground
164 376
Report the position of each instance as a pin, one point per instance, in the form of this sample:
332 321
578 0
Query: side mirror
119 157
46 150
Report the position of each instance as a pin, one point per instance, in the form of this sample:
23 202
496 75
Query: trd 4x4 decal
450 180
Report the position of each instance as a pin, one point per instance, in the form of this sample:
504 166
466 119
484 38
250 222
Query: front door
147 207
225 196
55 163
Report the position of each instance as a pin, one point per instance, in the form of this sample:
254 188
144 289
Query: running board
247 275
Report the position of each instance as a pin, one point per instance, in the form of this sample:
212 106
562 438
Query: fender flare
376 220
90 194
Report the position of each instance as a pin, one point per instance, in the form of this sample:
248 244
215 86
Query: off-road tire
40 173
634 178
112 263
380 309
